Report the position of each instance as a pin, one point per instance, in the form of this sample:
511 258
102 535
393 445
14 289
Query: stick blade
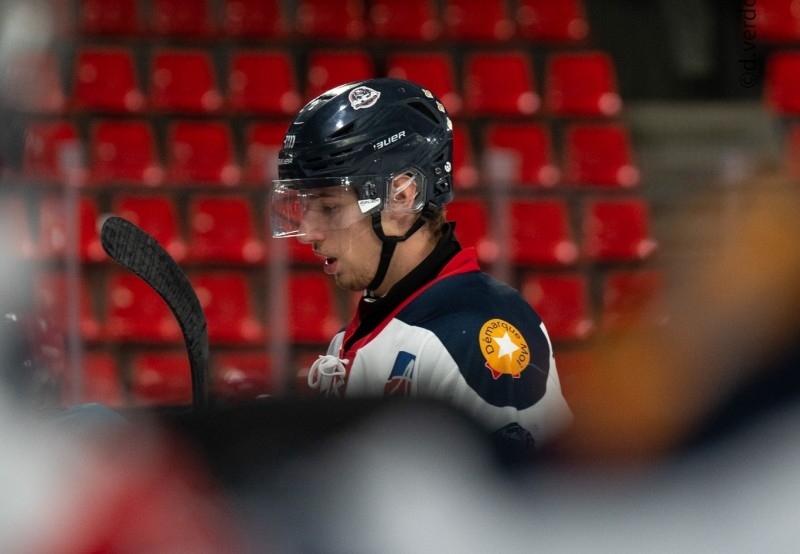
137 251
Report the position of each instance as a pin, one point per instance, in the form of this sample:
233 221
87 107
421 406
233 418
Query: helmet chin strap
388 244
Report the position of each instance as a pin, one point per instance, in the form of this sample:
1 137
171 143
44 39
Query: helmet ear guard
405 192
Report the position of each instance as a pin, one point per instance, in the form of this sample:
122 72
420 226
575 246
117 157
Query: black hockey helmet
359 137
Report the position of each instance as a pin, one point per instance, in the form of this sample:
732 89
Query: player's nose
309 232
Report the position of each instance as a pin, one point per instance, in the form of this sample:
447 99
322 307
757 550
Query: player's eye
329 209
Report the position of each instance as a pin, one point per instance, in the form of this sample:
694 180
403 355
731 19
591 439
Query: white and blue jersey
462 337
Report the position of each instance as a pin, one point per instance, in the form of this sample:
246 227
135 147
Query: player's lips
329 265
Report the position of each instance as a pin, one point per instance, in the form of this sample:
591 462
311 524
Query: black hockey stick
137 251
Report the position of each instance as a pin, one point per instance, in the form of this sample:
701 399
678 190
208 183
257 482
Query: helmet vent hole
425 110
344 131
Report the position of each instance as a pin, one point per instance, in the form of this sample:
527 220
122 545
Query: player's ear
402 193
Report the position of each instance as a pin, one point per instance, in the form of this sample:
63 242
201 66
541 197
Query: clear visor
299 207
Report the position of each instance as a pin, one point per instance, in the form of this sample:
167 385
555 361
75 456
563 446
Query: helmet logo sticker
504 349
363 97
288 142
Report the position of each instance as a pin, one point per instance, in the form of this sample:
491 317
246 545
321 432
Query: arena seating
171 113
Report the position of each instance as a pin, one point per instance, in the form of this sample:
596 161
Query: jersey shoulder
492 333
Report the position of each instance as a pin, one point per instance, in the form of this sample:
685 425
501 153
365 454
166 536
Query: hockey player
365 173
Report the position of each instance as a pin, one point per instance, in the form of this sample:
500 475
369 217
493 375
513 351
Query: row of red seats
163 377
132 313
120 152
266 82
223 229
419 20
539 232
220 229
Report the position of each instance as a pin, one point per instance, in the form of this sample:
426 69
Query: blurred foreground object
735 325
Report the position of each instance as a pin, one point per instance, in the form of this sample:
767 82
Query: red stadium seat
465 171
32 82
263 141
477 20
227 300
633 300
599 155
617 230
201 152
562 301
472 227
331 68
557 22
774 21
161 379
312 314
581 84
241 375
182 18
223 229
54 222
158 216
184 80
528 147
415 20
101 381
320 19
136 313
541 232
50 293
254 19
500 83
52 151
16 237
263 82
124 151
105 79
110 17
432 70
782 82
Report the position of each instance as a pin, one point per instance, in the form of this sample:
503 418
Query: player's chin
349 283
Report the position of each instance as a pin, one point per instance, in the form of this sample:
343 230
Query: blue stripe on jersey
456 308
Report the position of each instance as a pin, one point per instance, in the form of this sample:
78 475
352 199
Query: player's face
350 253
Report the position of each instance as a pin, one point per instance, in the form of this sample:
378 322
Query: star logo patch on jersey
504 348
